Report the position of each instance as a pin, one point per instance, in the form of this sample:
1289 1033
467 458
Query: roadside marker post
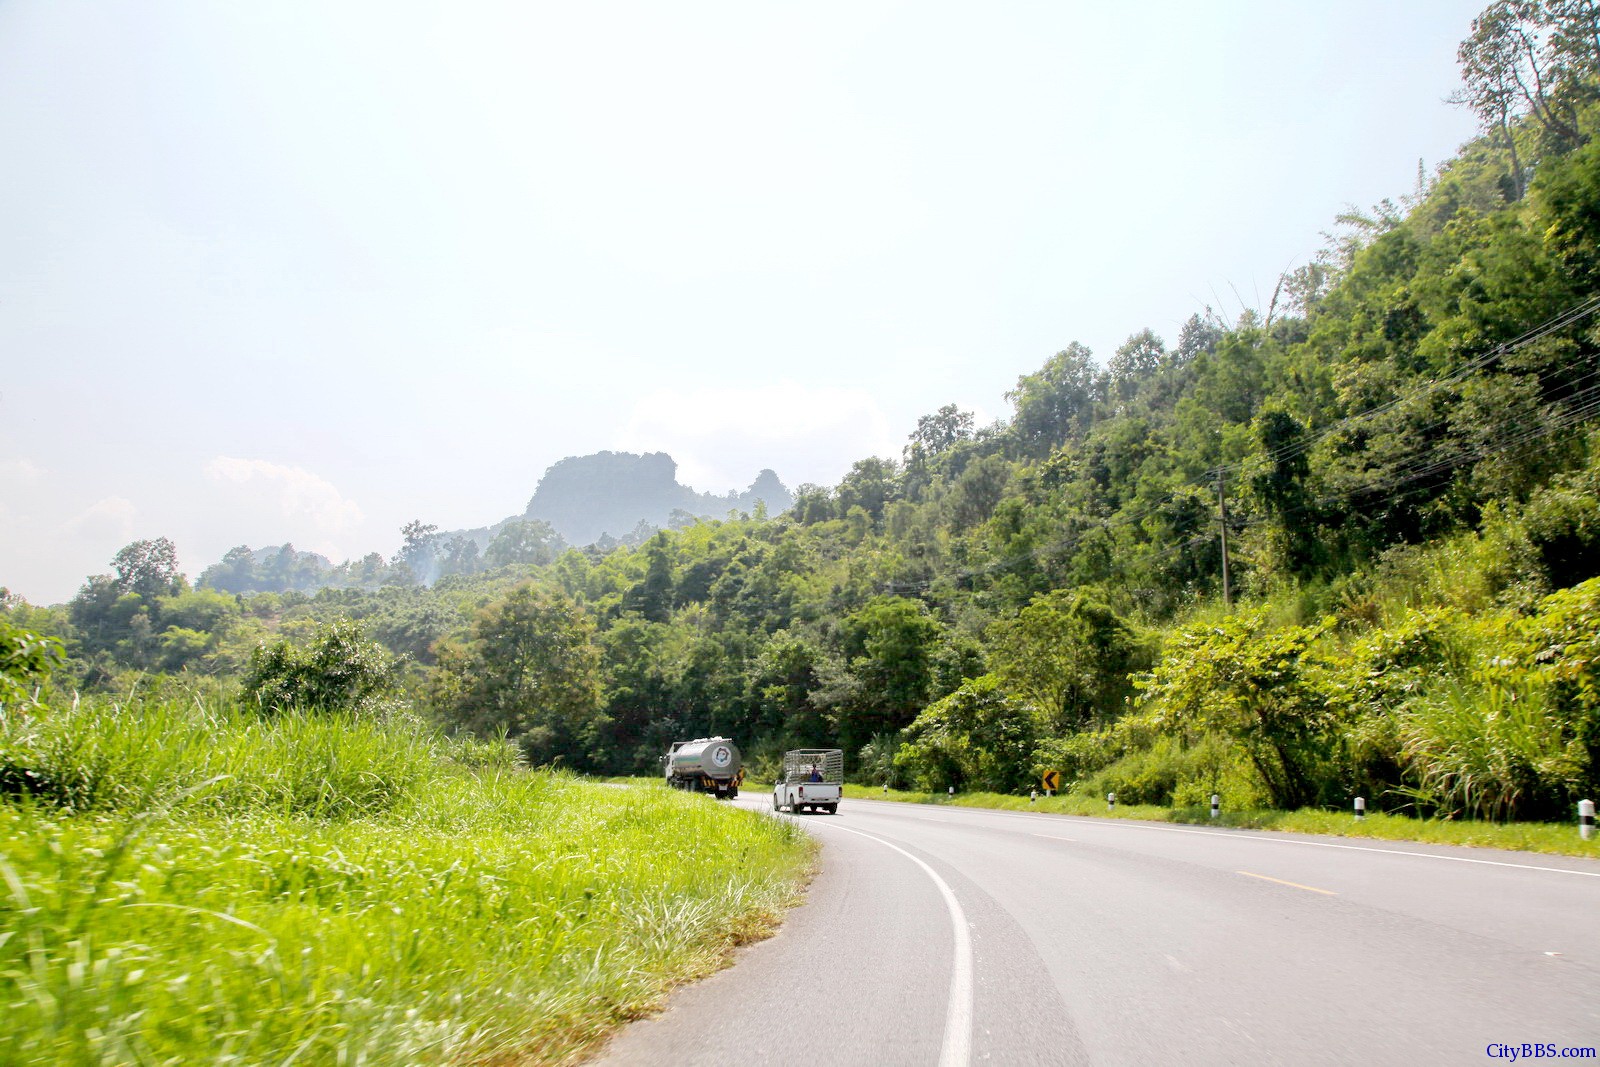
1361 808
951 790
1111 801
1586 819
1033 794
1216 805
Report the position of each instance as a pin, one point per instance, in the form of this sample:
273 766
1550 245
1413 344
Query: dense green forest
1348 543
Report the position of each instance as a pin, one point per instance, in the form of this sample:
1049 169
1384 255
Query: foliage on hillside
1400 450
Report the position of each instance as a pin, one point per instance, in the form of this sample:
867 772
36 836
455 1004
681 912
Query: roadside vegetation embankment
1554 838
199 882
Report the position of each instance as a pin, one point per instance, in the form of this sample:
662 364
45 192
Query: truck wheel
831 809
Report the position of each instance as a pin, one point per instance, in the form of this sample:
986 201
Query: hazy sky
305 271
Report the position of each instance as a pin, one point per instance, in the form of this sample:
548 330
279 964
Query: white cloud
296 493
20 472
722 436
111 518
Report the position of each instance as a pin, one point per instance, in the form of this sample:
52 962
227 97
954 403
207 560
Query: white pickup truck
812 779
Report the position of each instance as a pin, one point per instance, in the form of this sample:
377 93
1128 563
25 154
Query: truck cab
812 780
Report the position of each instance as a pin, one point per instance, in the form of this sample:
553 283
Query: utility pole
1222 507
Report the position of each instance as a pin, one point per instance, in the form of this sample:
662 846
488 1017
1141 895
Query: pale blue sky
304 271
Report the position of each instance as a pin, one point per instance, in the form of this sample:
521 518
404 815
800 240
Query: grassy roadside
308 891
1552 838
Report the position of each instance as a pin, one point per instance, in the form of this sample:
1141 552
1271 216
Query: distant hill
610 493
583 499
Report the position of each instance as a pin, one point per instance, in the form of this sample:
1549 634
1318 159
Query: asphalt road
938 935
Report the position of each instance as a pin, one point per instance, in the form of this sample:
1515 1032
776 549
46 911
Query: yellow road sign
1051 780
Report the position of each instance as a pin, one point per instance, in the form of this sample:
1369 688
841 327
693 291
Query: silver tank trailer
706 764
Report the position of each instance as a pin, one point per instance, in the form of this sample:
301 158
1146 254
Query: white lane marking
1088 822
957 1049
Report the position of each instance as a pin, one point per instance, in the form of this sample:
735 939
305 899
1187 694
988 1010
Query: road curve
941 935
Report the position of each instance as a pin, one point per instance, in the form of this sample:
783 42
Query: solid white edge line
957 1048
1258 836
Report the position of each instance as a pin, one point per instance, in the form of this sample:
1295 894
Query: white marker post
1586 819
885 788
1361 808
1216 805
1111 801
952 792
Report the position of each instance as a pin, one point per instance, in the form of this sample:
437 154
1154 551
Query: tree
1069 656
890 649
1490 60
787 679
1056 402
337 670
940 431
1530 57
1139 357
1279 483
369 572
1568 194
1197 337
870 485
420 542
978 491
935 435
100 613
530 668
460 556
813 504
652 595
523 541
235 574
413 624
148 569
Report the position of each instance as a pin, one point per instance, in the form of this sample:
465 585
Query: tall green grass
221 757
216 888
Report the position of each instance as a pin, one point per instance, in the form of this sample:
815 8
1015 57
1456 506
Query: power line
1560 321
1587 408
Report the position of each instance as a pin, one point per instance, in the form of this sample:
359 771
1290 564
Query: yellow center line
1295 885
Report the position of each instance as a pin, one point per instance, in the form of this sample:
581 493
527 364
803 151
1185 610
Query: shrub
1266 691
977 738
26 660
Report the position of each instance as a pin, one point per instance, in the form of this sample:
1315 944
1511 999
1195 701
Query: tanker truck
704 765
